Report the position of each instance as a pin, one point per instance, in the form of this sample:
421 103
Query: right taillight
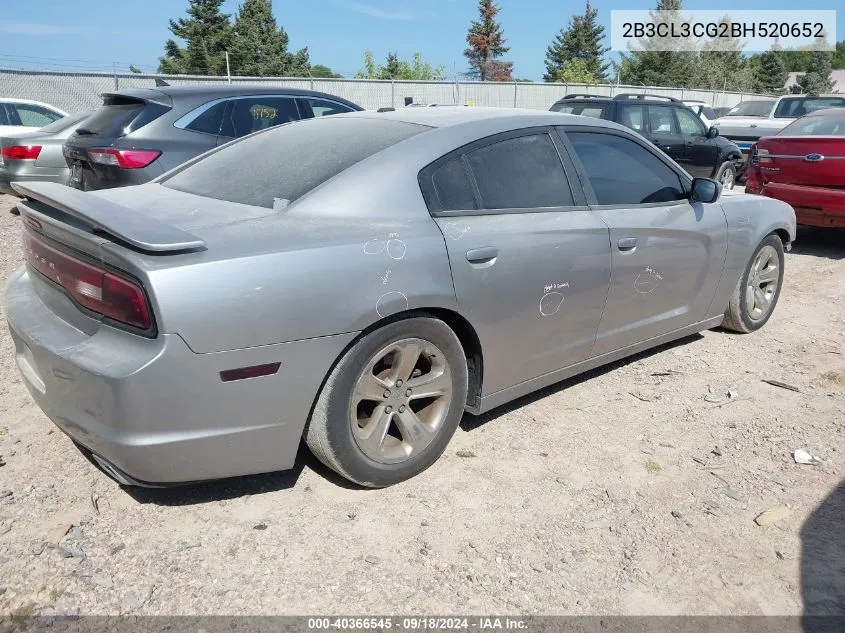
21 152
91 287
123 158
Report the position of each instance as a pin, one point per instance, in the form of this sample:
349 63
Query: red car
804 165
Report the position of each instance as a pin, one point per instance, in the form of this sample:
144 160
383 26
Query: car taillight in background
123 158
21 152
753 178
91 287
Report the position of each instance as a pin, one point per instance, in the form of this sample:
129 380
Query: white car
703 110
21 115
748 121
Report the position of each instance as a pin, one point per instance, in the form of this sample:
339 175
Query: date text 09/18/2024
415 623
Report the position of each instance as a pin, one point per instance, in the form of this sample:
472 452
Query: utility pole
114 66
228 74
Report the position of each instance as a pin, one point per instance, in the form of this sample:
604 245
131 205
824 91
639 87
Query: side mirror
705 190
713 132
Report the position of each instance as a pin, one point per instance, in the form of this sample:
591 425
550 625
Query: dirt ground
631 490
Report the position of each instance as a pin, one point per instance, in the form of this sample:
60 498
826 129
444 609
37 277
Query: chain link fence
75 91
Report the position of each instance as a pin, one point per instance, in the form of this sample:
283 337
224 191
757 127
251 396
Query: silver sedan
362 280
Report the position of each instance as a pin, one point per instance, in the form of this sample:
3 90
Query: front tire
727 175
758 289
391 404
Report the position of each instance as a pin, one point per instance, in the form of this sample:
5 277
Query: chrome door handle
628 244
482 255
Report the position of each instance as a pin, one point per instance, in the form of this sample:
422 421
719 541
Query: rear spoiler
128 225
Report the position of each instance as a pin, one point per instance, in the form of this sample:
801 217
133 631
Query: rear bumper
46 175
814 206
154 411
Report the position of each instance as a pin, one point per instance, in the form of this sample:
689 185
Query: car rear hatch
815 161
101 153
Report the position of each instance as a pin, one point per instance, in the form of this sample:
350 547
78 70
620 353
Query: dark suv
670 125
137 135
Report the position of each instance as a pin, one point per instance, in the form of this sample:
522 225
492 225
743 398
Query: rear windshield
709 113
830 125
120 115
64 123
594 110
280 165
794 108
751 108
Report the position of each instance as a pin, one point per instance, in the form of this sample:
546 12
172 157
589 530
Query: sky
99 34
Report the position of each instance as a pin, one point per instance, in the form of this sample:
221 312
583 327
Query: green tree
580 42
838 59
134 69
817 79
487 44
771 73
417 69
648 65
206 32
575 72
324 72
260 46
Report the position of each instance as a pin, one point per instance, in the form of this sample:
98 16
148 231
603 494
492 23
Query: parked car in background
804 165
671 126
704 111
137 135
750 120
22 115
37 155
721 111
428 261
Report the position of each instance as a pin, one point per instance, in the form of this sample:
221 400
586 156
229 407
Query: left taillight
95 289
123 158
21 152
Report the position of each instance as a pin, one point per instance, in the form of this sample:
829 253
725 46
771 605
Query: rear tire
727 175
758 289
391 404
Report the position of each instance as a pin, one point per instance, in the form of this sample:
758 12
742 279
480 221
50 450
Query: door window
453 187
520 173
251 114
622 172
661 120
633 116
323 107
690 124
35 116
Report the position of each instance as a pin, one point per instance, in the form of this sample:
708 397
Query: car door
249 114
700 152
664 133
530 261
667 253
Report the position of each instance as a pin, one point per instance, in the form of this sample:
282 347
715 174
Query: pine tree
771 75
722 66
396 68
486 44
580 42
654 67
817 79
260 46
393 68
207 35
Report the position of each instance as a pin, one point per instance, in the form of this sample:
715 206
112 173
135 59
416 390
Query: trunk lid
817 161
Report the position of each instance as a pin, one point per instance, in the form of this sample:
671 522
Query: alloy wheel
763 282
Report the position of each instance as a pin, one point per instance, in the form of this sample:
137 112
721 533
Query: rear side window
209 121
710 113
520 173
119 115
35 116
453 187
287 162
594 110
251 114
324 107
623 172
